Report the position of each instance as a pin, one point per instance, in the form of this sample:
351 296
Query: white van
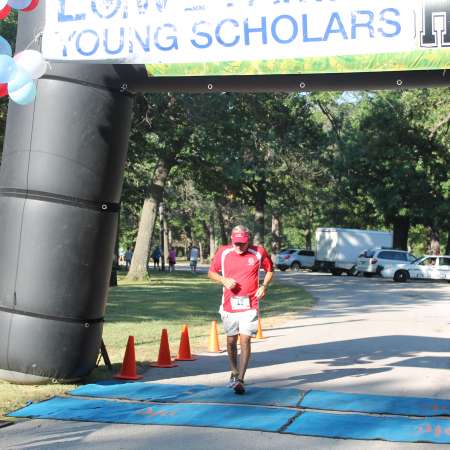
374 260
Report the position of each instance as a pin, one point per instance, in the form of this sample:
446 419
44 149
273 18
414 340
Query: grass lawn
144 309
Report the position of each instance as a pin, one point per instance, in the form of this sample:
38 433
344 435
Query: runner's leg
232 352
245 355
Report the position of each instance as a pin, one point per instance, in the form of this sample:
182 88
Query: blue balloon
8 68
20 79
5 48
25 95
19 4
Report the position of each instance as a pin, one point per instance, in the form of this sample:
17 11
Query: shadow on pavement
337 354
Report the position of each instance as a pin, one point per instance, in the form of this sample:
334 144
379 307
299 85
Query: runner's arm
229 283
261 292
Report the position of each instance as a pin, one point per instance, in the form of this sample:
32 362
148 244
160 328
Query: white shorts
245 322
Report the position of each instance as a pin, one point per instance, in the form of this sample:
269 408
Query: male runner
236 267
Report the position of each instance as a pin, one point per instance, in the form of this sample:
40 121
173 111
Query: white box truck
338 248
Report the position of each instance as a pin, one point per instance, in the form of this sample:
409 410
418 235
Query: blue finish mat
220 416
355 426
184 394
138 391
253 396
381 404
191 406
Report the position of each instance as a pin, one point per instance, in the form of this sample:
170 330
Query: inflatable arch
63 159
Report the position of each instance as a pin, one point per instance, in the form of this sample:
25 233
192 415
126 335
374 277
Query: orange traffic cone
184 352
213 341
164 359
259 333
128 370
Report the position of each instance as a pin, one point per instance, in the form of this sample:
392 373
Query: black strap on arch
106 207
86 322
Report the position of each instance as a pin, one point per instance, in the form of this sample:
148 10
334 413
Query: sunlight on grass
143 309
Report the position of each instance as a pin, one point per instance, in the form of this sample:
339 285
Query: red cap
240 237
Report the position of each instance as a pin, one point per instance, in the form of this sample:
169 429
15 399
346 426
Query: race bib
240 303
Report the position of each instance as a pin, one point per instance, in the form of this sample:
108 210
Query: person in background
128 257
156 256
193 258
236 266
172 257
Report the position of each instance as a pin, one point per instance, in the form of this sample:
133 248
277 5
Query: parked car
288 250
428 267
295 259
374 260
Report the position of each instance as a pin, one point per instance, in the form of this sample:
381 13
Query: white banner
214 31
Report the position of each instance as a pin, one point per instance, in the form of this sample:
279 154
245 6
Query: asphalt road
364 336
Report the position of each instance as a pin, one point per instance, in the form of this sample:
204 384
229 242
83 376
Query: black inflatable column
60 185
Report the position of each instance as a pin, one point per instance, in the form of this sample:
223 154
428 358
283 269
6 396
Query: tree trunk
200 250
401 230
209 232
276 234
260 203
115 263
212 239
113 277
189 236
162 240
221 220
434 247
447 247
308 239
167 239
138 267
186 248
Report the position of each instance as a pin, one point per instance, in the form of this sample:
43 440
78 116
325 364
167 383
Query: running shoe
238 387
233 379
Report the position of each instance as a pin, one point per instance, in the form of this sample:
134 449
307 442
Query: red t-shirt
244 269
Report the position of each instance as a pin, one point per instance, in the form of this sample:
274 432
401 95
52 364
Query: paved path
364 335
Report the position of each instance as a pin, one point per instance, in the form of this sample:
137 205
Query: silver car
295 259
